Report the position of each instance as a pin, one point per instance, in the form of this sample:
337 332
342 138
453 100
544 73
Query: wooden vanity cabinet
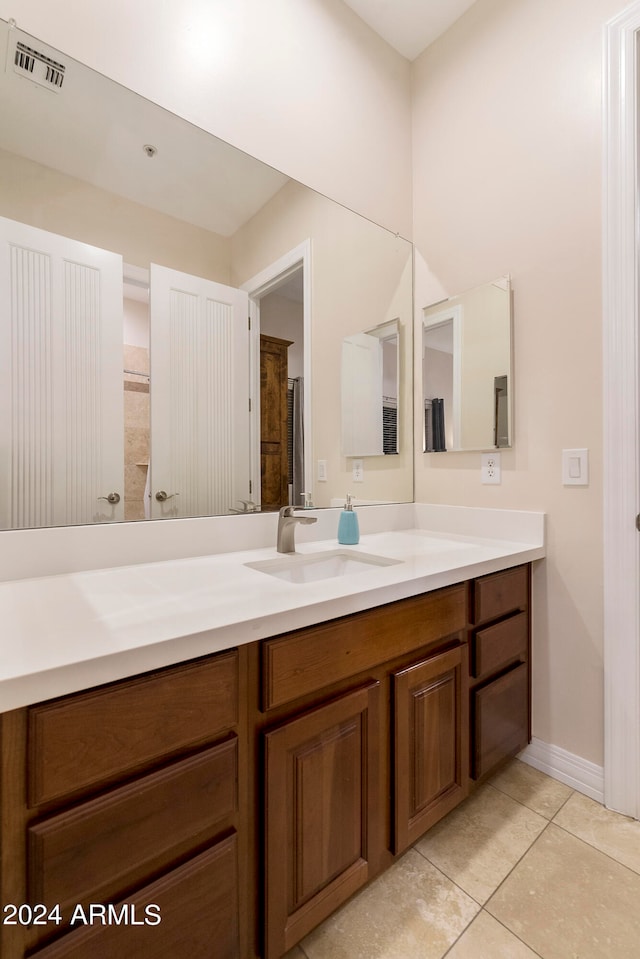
364 731
500 653
130 800
248 794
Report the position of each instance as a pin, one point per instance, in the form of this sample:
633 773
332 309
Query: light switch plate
322 471
575 467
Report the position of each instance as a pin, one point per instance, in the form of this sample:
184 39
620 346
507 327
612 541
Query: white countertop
71 631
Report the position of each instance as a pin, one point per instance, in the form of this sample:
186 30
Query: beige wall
507 179
283 318
360 277
42 197
322 98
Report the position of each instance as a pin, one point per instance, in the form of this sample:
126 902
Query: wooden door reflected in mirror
274 458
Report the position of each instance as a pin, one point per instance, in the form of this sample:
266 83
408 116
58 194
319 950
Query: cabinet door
431 743
500 720
321 799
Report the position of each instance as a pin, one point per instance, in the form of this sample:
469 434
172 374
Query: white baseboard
566 767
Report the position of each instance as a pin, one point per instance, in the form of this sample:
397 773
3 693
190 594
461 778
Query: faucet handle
286 511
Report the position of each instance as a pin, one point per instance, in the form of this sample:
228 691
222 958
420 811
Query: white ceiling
217 187
194 176
409 25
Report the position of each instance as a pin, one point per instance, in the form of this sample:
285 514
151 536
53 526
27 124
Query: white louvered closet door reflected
361 393
199 356
61 400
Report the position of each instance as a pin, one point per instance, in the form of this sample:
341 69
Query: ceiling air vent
38 67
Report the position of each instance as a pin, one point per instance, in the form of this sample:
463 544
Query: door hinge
249 321
638 522
249 404
250 487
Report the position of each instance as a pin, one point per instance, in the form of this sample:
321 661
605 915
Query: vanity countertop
72 631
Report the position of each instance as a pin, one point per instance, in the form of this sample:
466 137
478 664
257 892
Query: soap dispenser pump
348 531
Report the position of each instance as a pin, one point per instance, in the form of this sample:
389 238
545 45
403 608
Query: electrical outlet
358 471
490 471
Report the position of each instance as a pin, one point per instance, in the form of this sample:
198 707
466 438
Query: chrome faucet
287 526
247 506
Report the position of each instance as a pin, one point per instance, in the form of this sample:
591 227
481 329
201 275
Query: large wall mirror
467 381
172 313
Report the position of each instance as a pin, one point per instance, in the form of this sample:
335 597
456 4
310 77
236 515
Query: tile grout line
515 934
522 803
548 823
502 881
482 906
586 842
506 928
449 879
517 863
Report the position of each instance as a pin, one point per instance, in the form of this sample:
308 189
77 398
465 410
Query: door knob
161 496
112 498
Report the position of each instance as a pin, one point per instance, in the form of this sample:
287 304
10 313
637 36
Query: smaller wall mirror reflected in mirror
370 378
467 380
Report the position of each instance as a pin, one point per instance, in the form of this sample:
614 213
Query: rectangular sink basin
311 567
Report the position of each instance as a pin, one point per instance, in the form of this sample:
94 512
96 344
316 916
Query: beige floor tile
295 953
567 900
487 939
608 831
479 843
532 788
411 912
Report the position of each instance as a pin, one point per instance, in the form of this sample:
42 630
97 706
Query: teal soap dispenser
348 531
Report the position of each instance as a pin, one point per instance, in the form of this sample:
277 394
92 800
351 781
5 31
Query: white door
61 396
621 436
362 395
199 355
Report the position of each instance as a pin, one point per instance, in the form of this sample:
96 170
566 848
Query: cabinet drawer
500 593
500 720
94 738
496 646
96 850
198 907
309 660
